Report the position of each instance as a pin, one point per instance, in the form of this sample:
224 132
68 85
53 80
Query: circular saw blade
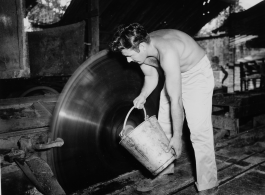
89 116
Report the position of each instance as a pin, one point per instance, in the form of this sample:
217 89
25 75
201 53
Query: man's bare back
189 52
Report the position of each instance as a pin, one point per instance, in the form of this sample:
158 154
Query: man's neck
152 50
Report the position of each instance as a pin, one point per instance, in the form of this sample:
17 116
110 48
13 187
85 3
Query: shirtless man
189 84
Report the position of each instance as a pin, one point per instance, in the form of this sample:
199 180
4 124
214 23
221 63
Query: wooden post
94 27
22 35
13 50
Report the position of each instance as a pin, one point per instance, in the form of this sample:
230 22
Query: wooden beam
22 38
94 27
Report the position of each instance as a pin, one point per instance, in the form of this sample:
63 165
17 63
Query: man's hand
176 144
139 101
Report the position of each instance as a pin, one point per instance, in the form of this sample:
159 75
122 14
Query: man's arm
225 74
171 66
150 83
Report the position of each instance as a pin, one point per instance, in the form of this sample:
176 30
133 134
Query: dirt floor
241 171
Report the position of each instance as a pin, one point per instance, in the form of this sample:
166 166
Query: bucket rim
127 135
127 116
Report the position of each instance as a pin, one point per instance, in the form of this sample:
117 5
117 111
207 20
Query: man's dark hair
129 37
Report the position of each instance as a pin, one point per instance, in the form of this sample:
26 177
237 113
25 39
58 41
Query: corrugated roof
185 15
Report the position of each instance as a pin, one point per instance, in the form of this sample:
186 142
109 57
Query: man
217 67
189 83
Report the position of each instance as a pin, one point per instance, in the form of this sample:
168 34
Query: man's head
131 41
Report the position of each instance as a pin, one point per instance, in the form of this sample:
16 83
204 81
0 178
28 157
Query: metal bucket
147 143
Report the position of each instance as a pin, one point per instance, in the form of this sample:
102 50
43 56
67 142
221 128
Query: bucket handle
126 118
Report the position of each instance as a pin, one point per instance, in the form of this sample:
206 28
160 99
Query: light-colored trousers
197 91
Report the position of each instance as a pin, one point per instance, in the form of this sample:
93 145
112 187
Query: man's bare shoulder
169 33
171 42
171 38
167 41
164 31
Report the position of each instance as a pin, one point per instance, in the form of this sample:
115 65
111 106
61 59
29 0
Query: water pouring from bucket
147 143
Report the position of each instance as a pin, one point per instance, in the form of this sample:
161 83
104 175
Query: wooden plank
31 99
48 106
24 132
253 109
238 99
249 110
232 124
26 113
9 140
41 109
223 122
23 123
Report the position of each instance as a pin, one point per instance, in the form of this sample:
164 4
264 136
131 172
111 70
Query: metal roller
89 116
